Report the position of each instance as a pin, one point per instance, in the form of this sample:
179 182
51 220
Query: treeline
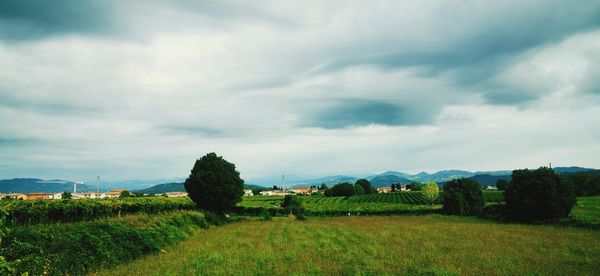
530 195
583 183
45 211
361 187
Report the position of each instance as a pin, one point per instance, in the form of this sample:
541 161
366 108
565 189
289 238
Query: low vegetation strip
377 245
45 211
74 248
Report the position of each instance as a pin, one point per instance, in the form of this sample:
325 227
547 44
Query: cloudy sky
140 89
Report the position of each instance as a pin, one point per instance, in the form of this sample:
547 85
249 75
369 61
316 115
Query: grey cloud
14 142
31 19
360 112
193 131
506 96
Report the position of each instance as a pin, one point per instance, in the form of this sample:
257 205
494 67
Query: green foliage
76 248
6 267
431 191
44 211
390 203
125 194
463 197
341 189
367 186
538 195
583 183
415 186
214 184
292 204
501 184
66 195
359 190
323 187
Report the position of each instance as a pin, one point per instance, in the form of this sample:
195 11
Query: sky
141 89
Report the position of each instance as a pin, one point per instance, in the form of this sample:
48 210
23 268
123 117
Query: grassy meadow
587 209
377 245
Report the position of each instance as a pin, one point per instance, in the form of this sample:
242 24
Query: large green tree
463 197
367 186
214 184
431 191
537 195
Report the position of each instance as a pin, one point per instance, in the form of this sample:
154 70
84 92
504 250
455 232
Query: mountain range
30 185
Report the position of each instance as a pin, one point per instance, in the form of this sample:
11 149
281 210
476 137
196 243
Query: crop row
43 211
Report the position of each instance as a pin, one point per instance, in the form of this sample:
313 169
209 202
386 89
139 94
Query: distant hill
179 187
32 185
572 169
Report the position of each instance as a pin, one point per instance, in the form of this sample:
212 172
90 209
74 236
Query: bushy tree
501 184
367 186
66 195
359 189
292 204
125 194
214 184
323 187
415 186
463 197
431 191
537 195
341 189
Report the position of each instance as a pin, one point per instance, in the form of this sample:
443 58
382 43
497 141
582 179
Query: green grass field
587 209
377 245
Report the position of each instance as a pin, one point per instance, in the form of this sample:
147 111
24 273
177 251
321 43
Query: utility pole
98 184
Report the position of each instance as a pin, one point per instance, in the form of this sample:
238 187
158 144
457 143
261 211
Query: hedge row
76 248
44 211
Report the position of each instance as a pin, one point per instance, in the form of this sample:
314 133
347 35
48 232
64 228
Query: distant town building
176 194
14 196
115 193
34 196
248 192
384 189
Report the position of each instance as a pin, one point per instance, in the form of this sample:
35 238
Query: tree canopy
341 189
463 197
367 186
431 191
537 195
214 184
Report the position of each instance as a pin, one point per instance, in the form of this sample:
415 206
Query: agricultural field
587 209
377 245
382 203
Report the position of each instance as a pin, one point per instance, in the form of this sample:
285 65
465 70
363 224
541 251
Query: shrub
292 204
57 249
463 197
538 195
